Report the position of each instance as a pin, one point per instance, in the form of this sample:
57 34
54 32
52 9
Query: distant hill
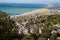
54 6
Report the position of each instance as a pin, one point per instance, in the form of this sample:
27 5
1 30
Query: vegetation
29 37
54 35
8 28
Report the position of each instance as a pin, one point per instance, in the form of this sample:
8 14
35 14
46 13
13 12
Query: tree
8 28
54 35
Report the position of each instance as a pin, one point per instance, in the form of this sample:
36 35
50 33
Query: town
45 26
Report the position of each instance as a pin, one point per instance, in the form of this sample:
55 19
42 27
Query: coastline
38 11
42 11
35 12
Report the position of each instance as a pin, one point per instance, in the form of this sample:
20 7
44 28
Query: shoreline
42 11
31 13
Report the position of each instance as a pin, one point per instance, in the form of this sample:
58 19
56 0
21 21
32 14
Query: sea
18 9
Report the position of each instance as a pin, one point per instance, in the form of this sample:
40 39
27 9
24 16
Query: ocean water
18 9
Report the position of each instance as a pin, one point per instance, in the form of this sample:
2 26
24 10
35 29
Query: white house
40 31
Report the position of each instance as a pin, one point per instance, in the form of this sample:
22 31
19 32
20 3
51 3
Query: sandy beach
39 11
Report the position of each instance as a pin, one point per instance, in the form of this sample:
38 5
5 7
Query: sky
30 1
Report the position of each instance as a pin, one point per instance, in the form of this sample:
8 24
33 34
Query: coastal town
42 24
29 19
45 23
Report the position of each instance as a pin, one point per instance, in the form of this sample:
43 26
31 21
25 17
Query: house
32 30
40 31
45 31
53 31
58 28
23 30
52 39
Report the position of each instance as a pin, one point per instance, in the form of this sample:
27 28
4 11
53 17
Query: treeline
8 28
